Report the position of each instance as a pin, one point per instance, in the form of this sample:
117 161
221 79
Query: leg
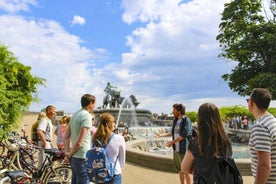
177 158
41 154
116 179
79 171
181 177
188 179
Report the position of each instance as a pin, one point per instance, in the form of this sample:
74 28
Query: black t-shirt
202 165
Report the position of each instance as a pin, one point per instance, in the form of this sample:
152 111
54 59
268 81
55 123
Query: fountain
123 109
145 150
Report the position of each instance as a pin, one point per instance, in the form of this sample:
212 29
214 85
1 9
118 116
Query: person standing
44 132
182 126
60 131
211 141
79 133
115 148
262 142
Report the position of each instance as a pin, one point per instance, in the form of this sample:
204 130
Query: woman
115 149
211 142
60 131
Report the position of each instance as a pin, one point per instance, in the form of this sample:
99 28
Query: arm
177 139
55 132
41 136
122 154
263 167
163 135
42 126
187 163
78 143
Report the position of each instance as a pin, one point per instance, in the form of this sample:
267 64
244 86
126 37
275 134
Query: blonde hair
65 120
104 129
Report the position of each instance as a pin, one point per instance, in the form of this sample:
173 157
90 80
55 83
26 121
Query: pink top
61 129
93 130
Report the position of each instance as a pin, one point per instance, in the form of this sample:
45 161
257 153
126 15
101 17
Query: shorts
177 159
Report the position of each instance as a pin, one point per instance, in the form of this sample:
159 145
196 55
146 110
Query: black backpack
224 171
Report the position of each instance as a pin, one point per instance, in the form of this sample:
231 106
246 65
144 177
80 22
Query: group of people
238 122
190 156
212 141
76 141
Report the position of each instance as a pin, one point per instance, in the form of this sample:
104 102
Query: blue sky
161 51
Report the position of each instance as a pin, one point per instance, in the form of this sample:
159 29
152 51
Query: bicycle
12 177
51 172
18 154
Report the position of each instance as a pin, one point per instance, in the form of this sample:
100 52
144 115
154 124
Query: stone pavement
134 174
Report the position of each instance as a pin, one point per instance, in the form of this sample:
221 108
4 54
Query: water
158 145
133 113
240 151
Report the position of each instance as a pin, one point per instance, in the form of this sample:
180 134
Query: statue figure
129 101
108 89
112 96
114 100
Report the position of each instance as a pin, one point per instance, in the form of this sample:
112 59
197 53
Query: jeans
117 179
79 171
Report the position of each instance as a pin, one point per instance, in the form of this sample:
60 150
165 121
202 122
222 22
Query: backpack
34 135
98 165
224 171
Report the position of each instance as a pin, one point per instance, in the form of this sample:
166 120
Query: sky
161 51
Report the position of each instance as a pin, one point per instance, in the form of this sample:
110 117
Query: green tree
18 88
192 115
233 111
248 37
272 110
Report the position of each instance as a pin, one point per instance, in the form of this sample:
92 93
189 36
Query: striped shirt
263 138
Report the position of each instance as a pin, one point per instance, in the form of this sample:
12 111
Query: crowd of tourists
192 157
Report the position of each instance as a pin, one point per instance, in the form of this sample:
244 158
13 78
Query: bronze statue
114 100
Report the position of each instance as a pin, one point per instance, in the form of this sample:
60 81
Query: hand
66 160
44 145
67 155
157 135
169 144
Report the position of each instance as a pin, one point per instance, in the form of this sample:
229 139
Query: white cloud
13 6
54 55
78 20
172 57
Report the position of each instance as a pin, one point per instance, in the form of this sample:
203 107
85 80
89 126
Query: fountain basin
136 153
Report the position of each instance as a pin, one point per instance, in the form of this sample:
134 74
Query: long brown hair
104 129
212 139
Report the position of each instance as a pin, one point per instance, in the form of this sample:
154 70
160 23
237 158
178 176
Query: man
182 126
262 142
44 132
79 132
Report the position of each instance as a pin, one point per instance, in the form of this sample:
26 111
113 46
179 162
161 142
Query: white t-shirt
117 147
46 126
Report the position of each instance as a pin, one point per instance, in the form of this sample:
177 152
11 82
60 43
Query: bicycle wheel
3 162
60 175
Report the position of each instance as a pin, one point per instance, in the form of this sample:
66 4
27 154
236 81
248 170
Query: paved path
134 174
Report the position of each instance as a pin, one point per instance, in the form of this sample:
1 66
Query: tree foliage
234 111
192 115
18 88
248 38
